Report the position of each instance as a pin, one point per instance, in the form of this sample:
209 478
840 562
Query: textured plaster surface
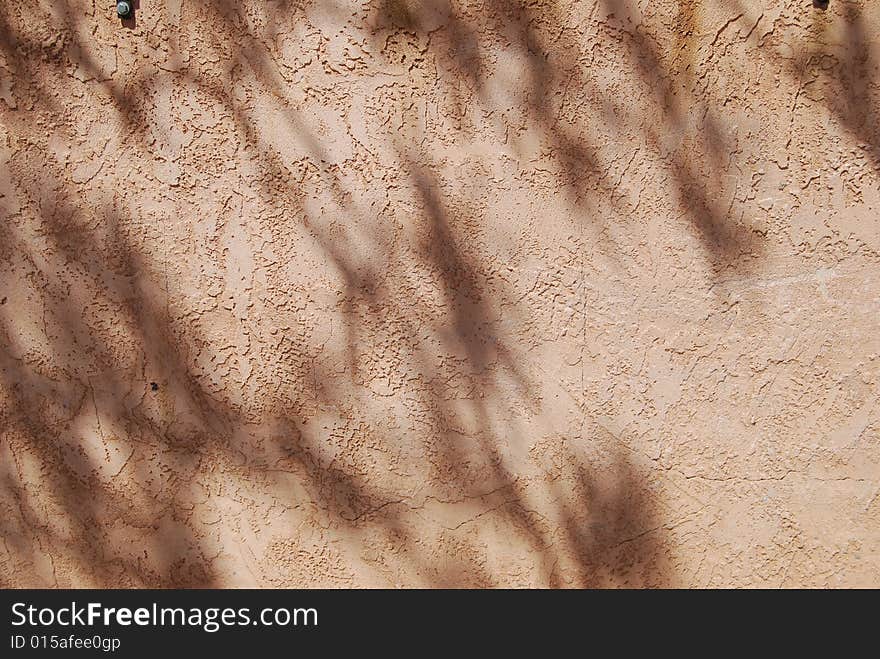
397 293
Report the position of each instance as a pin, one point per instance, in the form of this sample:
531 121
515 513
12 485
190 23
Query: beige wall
440 293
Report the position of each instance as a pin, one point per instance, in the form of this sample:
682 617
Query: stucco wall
306 293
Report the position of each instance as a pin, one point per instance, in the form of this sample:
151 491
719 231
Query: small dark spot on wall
154 386
3 301
820 4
